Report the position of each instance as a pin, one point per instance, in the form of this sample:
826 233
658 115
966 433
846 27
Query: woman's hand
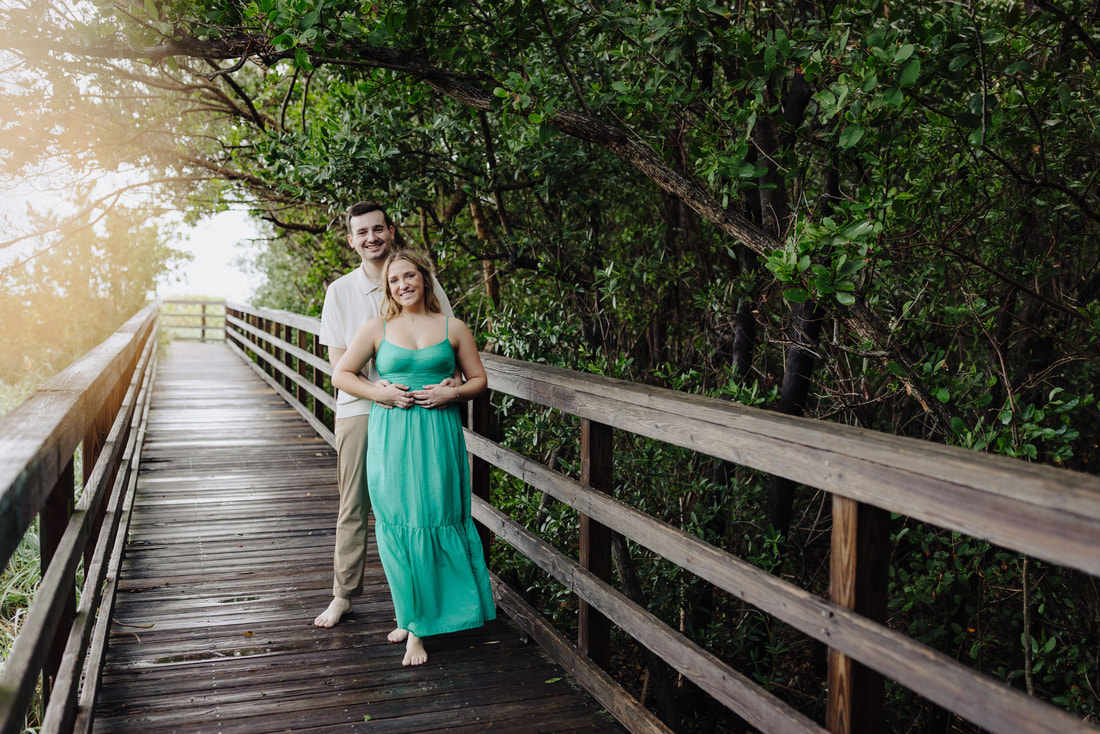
390 395
439 395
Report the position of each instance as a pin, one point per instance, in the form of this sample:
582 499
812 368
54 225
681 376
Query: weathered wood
108 480
480 479
98 646
52 523
88 399
39 436
298 321
753 703
859 578
930 673
1045 512
322 429
272 365
270 343
593 628
230 558
627 709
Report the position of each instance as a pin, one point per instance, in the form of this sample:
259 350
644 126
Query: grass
18 585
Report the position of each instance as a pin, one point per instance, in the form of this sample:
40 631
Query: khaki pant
351 521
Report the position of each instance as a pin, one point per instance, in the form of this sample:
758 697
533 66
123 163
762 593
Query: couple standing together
399 433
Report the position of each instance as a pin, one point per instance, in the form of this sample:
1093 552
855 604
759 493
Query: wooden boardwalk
230 558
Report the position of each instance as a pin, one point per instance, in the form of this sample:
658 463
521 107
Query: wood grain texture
229 560
932 674
1049 513
39 436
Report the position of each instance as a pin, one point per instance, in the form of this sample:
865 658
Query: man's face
370 237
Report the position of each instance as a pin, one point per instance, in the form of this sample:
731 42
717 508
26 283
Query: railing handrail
1046 512
210 319
95 403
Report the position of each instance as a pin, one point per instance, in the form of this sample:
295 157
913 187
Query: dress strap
447 333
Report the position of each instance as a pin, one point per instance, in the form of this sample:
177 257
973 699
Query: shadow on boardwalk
230 558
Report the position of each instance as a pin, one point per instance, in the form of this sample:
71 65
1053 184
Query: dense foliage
881 215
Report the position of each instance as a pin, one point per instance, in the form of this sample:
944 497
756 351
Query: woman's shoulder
457 328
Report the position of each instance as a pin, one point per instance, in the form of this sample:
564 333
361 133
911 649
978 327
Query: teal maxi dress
418 477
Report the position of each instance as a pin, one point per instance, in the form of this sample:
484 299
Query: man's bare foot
398 635
337 608
415 654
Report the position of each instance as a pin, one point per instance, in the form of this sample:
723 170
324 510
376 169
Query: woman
417 470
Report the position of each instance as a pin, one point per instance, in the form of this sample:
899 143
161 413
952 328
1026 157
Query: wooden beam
858 580
593 628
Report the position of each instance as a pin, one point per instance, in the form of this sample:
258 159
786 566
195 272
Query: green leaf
943 394
850 136
909 74
845 299
301 59
796 295
959 62
904 52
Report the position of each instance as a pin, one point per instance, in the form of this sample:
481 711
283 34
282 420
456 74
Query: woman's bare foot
415 654
398 635
337 608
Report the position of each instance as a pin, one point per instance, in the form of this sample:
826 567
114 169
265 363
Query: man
350 302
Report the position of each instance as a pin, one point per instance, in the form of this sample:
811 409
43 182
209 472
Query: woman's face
405 282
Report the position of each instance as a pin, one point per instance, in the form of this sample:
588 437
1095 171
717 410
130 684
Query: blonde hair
390 307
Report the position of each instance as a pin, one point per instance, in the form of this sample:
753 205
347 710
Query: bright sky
216 243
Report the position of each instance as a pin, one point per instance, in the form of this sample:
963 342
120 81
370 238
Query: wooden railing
1044 512
193 320
98 403
95 409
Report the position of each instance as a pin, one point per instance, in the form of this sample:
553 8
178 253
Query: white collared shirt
351 301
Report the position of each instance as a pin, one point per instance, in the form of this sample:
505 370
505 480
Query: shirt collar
366 285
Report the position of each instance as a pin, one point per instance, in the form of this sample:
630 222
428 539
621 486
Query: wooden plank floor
230 558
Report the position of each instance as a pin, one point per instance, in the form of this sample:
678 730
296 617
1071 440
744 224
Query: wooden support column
304 343
594 629
858 571
52 521
478 417
91 449
318 377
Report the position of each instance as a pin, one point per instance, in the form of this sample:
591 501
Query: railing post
202 324
318 377
52 521
478 416
301 366
857 580
594 629
92 447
